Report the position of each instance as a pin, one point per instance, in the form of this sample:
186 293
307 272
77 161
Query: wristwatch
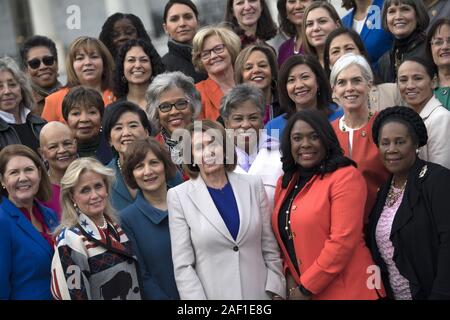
304 291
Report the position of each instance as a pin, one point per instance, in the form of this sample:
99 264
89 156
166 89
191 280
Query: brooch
423 171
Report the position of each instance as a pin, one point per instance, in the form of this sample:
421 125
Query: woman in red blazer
318 216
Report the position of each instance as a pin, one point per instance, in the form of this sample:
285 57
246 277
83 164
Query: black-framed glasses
206 54
46 60
179 105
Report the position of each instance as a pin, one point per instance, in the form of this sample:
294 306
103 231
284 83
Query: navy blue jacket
148 230
25 256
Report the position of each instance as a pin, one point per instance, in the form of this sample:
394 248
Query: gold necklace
393 195
345 124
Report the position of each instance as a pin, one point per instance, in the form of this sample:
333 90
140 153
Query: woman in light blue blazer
376 40
147 168
26 245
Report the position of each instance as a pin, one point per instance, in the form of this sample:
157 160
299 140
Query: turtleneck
402 45
89 149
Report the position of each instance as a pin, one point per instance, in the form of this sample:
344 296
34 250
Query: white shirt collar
9 117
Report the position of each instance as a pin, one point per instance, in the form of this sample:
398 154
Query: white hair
348 60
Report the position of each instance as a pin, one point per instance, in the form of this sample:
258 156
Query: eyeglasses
36 62
439 42
179 105
206 54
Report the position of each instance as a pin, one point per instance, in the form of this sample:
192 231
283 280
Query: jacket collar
183 50
49 217
119 184
155 215
92 232
429 108
199 194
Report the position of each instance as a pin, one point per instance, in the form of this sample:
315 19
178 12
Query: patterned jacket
88 264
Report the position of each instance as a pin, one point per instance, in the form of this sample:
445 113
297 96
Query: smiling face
295 10
174 119
137 67
181 24
123 31
257 71
414 84
319 25
85 122
59 148
246 121
88 67
247 12
216 63
401 20
44 76
341 45
352 89
21 179
396 148
150 174
441 52
90 194
126 130
306 147
10 93
302 87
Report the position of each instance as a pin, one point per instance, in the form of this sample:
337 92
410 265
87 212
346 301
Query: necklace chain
345 124
393 195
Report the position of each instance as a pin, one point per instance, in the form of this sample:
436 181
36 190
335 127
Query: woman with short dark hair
148 168
409 227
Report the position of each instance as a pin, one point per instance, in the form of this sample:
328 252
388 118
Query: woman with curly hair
251 20
137 63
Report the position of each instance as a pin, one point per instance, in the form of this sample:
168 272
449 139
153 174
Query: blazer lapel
27 226
199 195
242 193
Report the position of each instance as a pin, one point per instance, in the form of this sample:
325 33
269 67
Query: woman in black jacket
180 24
407 21
409 229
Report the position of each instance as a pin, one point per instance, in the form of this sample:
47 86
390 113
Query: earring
417 152
3 187
124 80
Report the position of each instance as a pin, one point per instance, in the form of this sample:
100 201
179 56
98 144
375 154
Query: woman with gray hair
258 154
173 103
17 124
352 79
93 257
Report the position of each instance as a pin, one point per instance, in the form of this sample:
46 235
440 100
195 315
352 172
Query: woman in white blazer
416 83
258 154
223 247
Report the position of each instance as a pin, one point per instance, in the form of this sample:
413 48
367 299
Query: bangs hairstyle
423 20
230 39
82 97
9 64
266 28
334 157
286 26
167 81
238 96
17 150
323 85
227 140
434 29
241 60
352 34
121 88
348 60
136 153
108 29
69 216
89 45
331 12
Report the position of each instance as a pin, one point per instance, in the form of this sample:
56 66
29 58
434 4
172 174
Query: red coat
365 154
211 96
327 219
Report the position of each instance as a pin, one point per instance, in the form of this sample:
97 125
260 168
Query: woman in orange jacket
89 64
318 216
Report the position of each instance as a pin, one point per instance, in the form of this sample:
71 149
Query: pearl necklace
290 233
118 165
104 224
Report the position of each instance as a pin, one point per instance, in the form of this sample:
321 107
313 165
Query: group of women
123 195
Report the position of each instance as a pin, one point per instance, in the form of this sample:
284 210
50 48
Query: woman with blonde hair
88 63
215 49
89 234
